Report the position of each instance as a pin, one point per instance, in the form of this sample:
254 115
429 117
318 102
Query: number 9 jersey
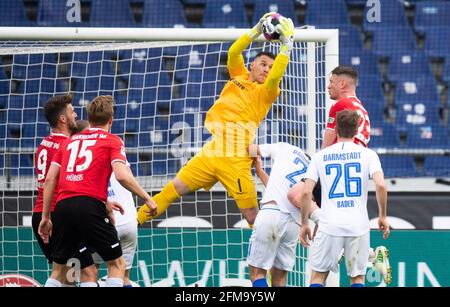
44 156
86 163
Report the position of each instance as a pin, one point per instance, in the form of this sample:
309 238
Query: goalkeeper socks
316 286
52 283
128 286
260 283
357 286
114 282
163 200
88 284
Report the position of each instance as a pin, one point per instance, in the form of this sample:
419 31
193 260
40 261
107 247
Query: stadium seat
391 40
320 12
12 14
392 14
431 14
437 166
370 87
225 14
163 14
398 166
436 42
103 14
284 7
350 37
417 90
356 2
427 136
56 13
408 65
411 114
362 60
383 135
375 109
446 72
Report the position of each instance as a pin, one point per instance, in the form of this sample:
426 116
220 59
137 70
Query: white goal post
162 80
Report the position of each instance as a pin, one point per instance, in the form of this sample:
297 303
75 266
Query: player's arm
46 226
329 138
381 194
305 200
286 29
127 180
260 172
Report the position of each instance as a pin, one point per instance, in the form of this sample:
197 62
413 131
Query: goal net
162 91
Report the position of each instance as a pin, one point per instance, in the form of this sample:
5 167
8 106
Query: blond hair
100 110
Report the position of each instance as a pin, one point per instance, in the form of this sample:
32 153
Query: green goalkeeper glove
286 29
256 31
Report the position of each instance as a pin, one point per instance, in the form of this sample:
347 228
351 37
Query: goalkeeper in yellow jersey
233 120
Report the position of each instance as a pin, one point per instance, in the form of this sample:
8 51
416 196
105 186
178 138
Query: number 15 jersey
86 163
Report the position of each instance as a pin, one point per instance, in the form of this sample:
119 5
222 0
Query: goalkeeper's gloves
256 31
286 29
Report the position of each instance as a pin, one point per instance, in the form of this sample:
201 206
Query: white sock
52 283
88 284
315 216
114 282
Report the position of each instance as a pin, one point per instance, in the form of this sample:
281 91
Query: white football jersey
124 197
344 170
288 167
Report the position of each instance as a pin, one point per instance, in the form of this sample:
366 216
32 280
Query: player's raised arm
235 61
286 29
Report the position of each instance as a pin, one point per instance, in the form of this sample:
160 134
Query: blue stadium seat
436 42
420 90
163 14
364 61
383 135
4 81
350 37
225 14
392 14
411 114
56 13
319 12
388 41
103 14
356 2
408 65
12 14
375 109
446 73
431 14
284 7
398 166
370 87
427 136
437 166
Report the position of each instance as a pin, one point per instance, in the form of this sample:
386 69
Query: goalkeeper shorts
205 169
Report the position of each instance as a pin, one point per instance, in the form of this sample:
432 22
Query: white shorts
326 250
128 240
273 240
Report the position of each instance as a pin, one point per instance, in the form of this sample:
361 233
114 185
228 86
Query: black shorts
82 225
85 258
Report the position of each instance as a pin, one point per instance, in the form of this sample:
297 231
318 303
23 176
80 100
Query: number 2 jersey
289 167
44 155
86 163
344 170
352 103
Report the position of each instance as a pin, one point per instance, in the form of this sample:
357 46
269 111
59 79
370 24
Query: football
270 31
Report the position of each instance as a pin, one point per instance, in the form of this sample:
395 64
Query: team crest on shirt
330 120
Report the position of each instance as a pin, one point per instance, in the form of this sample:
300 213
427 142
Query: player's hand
315 231
384 225
45 229
257 163
305 235
152 208
112 205
256 31
286 29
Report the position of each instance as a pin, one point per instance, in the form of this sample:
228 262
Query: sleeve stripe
118 160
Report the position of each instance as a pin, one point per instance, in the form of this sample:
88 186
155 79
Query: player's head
347 123
60 113
261 66
101 111
81 126
343 80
